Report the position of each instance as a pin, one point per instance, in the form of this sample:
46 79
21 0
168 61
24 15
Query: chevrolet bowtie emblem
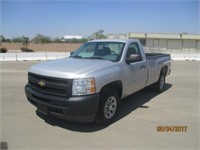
42 83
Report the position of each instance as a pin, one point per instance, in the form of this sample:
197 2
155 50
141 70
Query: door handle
142 67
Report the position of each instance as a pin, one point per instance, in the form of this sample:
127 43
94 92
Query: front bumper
78 109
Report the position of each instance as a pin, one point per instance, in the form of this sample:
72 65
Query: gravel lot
175 113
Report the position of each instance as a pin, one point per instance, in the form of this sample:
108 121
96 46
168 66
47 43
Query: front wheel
109 103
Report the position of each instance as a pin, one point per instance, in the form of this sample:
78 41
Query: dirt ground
50 47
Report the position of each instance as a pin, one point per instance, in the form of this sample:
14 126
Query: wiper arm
96 57
75 56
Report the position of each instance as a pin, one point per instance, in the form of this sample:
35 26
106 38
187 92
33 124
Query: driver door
136 72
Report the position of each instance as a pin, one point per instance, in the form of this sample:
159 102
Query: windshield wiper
96 57
76 57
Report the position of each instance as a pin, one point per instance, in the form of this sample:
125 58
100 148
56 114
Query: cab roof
115 40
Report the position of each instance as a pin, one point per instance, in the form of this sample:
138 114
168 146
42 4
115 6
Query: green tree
98 35
45 40
58 40
25 40
74 40
18 39
2 38
41 39
83 40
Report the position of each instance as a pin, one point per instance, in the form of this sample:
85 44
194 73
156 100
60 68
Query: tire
108 106
160 84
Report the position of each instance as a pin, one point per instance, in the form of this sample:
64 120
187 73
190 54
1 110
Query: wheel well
116 85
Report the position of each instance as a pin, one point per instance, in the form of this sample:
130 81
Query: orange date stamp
171 128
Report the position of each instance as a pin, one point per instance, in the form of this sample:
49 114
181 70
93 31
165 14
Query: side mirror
133 58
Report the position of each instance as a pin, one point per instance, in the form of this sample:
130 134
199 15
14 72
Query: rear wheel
109 103
160 84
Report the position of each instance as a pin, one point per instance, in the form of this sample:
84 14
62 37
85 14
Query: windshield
100 50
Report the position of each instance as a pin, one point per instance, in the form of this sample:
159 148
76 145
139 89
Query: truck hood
69 67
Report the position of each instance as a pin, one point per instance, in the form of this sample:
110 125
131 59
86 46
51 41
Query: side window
133 48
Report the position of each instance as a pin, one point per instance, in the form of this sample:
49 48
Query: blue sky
56 18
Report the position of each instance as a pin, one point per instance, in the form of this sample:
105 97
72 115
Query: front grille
53 86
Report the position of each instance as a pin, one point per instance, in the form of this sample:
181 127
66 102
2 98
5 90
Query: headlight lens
83 86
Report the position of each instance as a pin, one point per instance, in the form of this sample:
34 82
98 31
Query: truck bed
156 55
155 63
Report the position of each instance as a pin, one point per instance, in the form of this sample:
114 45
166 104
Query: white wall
31 56
189 45
50 56
163 44
174 44
198 45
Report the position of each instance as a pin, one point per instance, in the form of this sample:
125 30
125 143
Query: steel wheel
162 82
110 107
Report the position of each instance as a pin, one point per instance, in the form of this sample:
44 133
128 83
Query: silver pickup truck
88 85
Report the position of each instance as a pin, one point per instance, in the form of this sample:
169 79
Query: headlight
83 86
